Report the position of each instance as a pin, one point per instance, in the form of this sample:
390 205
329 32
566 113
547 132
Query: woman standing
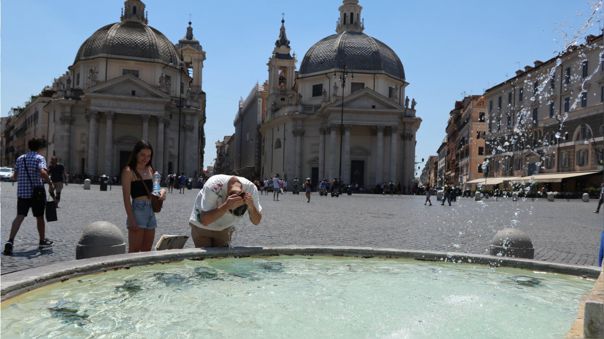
307 189
137 183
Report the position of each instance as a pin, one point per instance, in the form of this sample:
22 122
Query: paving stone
561 231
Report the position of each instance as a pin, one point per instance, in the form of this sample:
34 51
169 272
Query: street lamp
343 78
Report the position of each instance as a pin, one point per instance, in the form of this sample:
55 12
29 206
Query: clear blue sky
448 48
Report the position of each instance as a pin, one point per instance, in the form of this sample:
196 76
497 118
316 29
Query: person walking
182 183
601 198
307 189
57 177
223 201
137 183
276 187
428 194
29 172
446 195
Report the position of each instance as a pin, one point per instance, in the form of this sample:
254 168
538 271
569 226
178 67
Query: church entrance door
357 170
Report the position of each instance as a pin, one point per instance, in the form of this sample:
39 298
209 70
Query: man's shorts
23 205
143 213
207 238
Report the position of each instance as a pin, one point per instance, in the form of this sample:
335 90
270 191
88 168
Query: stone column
393 153
159 148
346 156
321 153
333 151
379 161
92 143
145 118
195 151
298 134
109 144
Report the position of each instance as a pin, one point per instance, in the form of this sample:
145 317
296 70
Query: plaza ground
561 231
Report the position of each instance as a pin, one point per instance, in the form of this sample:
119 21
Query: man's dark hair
35 144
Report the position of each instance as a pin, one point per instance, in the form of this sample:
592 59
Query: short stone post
512 242
515 196
550 196
477 196
585 197
100 238
86 184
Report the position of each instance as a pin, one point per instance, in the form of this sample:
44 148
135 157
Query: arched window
134 10
345 15
277 143
582 132
351 18
582 157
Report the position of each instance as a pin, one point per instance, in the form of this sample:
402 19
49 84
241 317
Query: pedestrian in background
307 189
276 187
601 198
57 176
428 194
30 170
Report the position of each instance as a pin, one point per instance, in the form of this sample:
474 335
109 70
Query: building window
520 94
584 68
552 83
535 115
490 106
551 109
77 79
602 94
567 75
481 115
599 156
535 87
480 150
566 104
317 90
134 10
130 71
583 99
582 157
356 86
510 98
351 18
391 91
277 143
509 120
499 102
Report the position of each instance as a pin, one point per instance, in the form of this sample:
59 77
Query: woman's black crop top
138 190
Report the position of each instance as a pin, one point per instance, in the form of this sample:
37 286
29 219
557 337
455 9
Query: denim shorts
143 213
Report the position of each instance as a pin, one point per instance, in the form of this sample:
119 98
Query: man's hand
248 200
234 201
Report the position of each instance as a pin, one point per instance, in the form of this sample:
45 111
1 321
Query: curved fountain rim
16 283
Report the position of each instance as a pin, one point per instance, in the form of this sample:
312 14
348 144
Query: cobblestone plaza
561 231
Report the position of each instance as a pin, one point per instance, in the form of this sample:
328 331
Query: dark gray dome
128 39
357 51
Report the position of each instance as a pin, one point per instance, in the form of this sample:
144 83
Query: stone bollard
100 238
585 197
550 196
439 195
86 184
512 242
515 196
477 196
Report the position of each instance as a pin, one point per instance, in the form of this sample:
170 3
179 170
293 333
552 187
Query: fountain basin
295 291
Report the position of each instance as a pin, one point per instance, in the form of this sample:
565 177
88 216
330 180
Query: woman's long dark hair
141 145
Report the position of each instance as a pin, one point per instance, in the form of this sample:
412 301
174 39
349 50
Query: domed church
343 114
129 82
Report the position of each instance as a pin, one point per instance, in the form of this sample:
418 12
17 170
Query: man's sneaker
8 248
44 244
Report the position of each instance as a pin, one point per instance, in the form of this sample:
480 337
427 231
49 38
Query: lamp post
180 89
343 78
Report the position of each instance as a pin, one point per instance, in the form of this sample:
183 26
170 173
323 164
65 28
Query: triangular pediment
367 98
127 85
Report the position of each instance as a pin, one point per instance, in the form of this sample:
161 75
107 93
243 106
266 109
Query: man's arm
255 216
208 217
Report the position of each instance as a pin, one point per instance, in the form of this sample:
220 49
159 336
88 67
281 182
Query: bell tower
281 73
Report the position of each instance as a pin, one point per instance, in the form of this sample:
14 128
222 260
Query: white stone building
127 82
343 114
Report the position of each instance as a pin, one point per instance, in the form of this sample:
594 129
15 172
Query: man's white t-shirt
276 184
213 194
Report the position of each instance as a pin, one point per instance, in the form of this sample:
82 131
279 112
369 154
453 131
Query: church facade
343 113
128 82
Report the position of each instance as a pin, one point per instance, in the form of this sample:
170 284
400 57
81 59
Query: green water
301 297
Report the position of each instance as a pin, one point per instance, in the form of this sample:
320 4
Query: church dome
128 39
357 50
